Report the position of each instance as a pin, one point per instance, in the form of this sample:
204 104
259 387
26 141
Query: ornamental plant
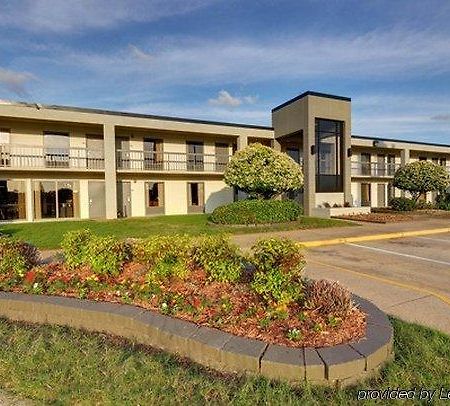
17 256
421 177
278 272
262 172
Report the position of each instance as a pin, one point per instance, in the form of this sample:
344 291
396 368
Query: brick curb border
340 365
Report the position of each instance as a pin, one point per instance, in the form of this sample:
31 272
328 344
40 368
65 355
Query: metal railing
374 169
25 157
170 161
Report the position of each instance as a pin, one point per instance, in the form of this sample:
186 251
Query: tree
421 177
262 172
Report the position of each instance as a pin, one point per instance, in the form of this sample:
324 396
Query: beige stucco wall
217 193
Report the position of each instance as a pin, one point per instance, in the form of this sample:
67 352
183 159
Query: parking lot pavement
406 277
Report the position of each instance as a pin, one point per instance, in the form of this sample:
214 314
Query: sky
234 60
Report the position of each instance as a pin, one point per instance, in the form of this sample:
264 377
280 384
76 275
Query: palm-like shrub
262 172
421 177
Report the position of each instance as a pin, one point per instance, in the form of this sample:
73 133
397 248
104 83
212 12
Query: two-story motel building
62 162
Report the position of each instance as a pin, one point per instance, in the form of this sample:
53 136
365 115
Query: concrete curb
340 365
373 237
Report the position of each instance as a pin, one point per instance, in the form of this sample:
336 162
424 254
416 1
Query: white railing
374 169
14 156
170 161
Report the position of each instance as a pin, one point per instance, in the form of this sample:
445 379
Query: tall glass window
329 142
56 199
12 200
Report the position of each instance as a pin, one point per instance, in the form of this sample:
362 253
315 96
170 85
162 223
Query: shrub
421 177
329 298
165 256
17 256
401 204
74 246
443 201
278 269
220 259
104 255
263 172
257 211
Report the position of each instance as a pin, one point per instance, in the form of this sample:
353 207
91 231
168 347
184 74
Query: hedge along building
62 162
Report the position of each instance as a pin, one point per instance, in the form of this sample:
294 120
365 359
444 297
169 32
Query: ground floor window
154 197
196 197
56 199
12 200
365 194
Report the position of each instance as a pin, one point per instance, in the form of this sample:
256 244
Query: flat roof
311 93
364 137
137 115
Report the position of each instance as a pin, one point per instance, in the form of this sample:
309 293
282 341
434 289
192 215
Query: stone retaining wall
339 365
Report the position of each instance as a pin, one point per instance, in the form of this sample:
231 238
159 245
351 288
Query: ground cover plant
257 211
48 235
207 280
58 365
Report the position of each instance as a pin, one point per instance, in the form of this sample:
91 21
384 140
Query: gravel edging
340 365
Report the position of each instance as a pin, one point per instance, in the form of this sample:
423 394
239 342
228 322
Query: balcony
29 157
374 169
170 161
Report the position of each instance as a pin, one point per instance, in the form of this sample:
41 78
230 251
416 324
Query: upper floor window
195 158
4 136
56 149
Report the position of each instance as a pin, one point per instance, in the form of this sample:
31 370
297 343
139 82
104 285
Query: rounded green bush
257 211
402 204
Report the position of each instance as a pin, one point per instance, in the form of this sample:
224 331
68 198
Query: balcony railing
170 161
25 157
374 169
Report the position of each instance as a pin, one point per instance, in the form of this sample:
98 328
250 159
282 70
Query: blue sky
234 60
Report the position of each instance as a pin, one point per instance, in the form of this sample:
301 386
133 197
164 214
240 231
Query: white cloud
76 15
225 99
15 81
139 54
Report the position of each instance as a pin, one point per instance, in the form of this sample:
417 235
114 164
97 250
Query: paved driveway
406 277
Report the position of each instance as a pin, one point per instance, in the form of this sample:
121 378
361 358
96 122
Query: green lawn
63 366
48 235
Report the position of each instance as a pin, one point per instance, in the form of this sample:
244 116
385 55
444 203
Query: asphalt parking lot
406 277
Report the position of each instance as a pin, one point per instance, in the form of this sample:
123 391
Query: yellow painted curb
407 286
374 237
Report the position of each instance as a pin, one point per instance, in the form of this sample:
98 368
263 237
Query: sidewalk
245 241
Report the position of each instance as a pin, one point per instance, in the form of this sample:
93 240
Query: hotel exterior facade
61 162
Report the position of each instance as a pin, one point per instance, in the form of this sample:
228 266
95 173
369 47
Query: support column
276 145
29 198
242 142
347 163
109 136
404 159
309 169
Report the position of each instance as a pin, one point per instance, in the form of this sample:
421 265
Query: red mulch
230 307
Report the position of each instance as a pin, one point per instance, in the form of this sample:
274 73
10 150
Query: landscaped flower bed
205 280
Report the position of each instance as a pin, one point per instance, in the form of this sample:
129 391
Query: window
195 197
222 156
381 165
56 149
153 153
365 194
391 165
422 158
442 162
154 199
56 199
194 156
4 147
365 164
12 200
294 153
330 156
